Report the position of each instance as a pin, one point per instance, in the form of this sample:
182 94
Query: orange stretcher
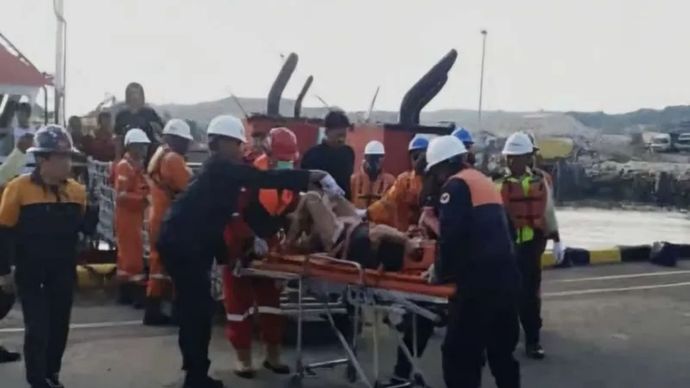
393 294
320 267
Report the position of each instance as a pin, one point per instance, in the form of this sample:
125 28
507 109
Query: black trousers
195 309
529 263
425 328
46 291
477 326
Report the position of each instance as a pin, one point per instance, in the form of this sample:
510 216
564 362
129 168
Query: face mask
284 165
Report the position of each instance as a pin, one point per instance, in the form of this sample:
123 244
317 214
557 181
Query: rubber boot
153 315
273 363
244 367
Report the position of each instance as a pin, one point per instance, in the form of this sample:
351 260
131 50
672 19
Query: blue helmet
464 135
418 143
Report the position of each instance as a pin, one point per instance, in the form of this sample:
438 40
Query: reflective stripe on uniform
253 310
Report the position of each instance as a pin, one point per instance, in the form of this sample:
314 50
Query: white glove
361 212
7 283
260 247
430 275
330 187
558 252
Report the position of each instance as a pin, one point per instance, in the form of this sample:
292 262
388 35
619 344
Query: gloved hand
7 283
361 213
330 187
430 275
558 252
260 247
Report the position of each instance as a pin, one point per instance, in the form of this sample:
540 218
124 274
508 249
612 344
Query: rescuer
131 192
466 138
264 216
191 234
476 252
41 216
400 206
526 198
169 175
371 183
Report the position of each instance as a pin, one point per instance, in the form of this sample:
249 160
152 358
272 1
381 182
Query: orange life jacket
276 202
155 171
525 200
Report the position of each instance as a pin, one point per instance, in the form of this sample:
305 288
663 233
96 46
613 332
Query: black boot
7 356
535 351
54 382
153 315
204 382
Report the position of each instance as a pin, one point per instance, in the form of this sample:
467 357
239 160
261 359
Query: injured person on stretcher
331 224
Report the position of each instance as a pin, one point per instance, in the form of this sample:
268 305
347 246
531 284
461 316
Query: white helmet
443 148
518 144
229 126
178 128
374 147
136 136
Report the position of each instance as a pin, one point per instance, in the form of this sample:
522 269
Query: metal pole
481 79
60 61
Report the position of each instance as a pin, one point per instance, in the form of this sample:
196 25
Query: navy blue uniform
192 235
477 253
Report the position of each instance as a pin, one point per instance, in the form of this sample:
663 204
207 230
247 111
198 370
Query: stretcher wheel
351 373
295 381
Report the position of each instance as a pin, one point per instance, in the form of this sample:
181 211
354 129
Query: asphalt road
626 325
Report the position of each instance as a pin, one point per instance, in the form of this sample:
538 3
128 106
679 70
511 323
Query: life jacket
275 202
155 171
365 192
525 200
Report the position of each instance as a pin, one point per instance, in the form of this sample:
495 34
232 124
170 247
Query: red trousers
243 298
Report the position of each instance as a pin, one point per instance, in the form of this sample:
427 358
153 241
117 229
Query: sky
587 55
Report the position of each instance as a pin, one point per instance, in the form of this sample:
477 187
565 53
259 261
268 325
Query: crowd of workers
245 202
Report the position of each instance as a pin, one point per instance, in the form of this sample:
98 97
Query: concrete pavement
607 326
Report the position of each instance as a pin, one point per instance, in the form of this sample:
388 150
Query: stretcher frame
359 295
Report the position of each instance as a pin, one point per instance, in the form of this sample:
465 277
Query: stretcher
393 294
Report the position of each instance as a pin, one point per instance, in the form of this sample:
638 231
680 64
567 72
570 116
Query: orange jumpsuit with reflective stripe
131 191
399 207
365 192
245 296
169 176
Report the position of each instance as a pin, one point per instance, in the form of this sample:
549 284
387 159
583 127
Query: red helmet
282 144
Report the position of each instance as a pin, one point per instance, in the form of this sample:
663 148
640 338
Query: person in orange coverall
169 176
262 217
131 191
371 182
400 206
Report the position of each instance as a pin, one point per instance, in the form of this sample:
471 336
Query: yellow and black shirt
40 222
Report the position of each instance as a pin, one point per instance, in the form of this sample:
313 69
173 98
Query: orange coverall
245 296
169 176
131 191
399 207
365 192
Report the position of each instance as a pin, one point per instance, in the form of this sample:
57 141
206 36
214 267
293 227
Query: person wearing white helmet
476 252
371 182
191 234
131 191
526 195
169 175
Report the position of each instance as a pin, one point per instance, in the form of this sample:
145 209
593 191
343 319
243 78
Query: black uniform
337 161
40 224
142 119
476 250
192 235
